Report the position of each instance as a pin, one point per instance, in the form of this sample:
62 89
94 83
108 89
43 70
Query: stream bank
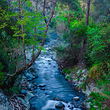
43 87
78 76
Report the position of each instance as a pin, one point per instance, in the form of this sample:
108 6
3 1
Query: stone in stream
49 63
29 86
29 76
59 105
56 98
23 92
32 107
76 98
32 70
42 88
42 85
76 105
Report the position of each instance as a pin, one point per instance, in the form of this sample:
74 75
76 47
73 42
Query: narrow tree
22 28
87 13
34 33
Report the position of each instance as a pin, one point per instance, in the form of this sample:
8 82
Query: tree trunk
68 17
82 48
22 28
87 13
18 36
34 33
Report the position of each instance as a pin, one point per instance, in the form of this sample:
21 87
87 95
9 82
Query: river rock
29 96
42 85
29 76
76 98
87 104
35 75
95 106
76 105
23 92
56 98
42 88
23 102
32 107
59 105
32 70
29 86
4 104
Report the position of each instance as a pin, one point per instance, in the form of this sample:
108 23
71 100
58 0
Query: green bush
14 90
74 37
98 49
96 99
2 76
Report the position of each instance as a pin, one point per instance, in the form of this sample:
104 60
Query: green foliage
74 6
97 96
3 4
66 71
2 76
10 32
83 86
77 31
74 36
68 77
101 10
14 90
4 59
96 99
98 48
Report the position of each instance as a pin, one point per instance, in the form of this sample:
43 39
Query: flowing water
51 84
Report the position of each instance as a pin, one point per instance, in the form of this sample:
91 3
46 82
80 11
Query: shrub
96 99
2 76
98 49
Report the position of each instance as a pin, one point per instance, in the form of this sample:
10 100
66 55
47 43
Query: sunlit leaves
3 25
99 42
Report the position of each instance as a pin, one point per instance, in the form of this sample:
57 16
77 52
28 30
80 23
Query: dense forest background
85 29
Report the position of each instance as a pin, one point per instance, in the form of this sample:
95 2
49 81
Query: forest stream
55 55
51 90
